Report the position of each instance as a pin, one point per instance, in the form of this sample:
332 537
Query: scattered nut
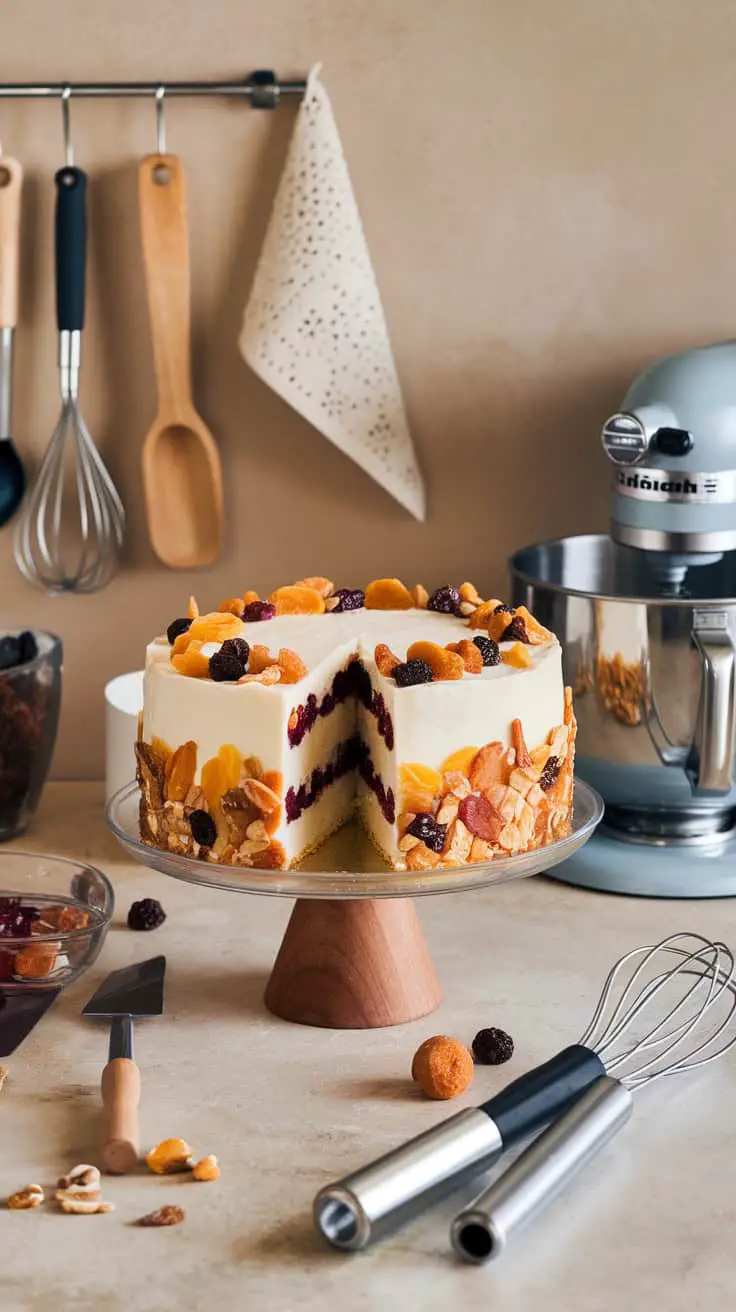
77 1206
442 1067
169 1214
3 1075
207 1169
31 1196
89 1193
169 1156
80 1178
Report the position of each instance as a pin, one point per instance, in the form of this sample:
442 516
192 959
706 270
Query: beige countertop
286 1108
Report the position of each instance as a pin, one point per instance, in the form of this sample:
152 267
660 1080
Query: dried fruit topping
469 592
169 1156
207 1169
31 1196
146 914
15 919
291 665
420 596
192 608
550 773
249 597
230 762
214 627
203 828
442 1067
237 647
411 672
503 609
489 650
180 771
191 662
492 1047
169 1214
444 664
446 600
255 611
421 858
346 599
225 668
269 676
177 627
260 659
469 653
537 635
388 594
459 761
523 758
323 586
385 660
481 818
515 631
297 601
489 767
36 961
428 831
517 656
420 785
232 606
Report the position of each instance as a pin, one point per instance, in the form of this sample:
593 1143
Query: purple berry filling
352 754
353 681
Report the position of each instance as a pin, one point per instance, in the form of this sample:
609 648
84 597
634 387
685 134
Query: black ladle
12 472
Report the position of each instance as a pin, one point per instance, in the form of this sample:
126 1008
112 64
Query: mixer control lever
711 764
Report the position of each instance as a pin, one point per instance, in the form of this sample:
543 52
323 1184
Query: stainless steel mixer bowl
650 656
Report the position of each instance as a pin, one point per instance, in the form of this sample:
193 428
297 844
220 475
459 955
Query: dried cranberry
488 649
203 828
515 631
445 600
412 672
258 610
425 828
550 773
176 628
225 668
348 599
238 648
15 919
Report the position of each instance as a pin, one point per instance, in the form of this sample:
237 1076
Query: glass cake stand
353 955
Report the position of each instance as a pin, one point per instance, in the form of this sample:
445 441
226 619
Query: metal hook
160 122
66 125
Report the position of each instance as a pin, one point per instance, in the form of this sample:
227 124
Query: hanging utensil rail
261 87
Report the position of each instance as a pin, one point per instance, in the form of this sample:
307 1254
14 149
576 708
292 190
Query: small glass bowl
75 903
30 697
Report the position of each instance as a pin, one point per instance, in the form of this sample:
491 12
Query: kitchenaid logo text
671 485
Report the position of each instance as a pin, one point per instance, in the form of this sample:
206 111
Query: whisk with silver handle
68 538
697 1028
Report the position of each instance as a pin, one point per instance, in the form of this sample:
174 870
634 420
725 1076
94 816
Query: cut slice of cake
266 724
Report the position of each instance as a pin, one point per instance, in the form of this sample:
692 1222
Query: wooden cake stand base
353 965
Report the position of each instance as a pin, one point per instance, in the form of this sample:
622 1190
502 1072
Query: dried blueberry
515 631
28 646
503 609
238 648
550 772
412 672
225 668
445 600
146 914
203 828
488 649
258 610
425 828
10 650
176 628
348 599
492 1047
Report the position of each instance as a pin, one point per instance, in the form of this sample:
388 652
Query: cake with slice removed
443 720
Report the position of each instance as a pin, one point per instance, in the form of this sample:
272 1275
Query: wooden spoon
182 476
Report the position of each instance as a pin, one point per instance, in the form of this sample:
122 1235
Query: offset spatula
134 993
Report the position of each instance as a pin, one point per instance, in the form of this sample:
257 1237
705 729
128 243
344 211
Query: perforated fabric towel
314 327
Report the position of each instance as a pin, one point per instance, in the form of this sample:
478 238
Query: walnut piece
169 1214
80 1177
31 1196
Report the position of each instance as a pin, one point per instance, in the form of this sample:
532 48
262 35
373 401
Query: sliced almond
258 833
448 810
408 842
261 796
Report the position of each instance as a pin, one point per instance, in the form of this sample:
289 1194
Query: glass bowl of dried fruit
30 695
54 914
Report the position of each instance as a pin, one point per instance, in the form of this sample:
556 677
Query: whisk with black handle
363 1207
698 1028
57 547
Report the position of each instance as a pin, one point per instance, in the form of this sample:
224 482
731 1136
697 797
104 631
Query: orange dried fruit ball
385 660
291 665
297 600
180 772
388 594
517 656
442 1067
444 664
459 761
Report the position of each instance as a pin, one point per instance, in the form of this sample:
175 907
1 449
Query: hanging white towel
314 328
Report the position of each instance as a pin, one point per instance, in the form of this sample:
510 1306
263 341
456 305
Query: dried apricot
180 772
523 758
169 1156
536 632
469 592
324 587
232 606
388 594
420 785
216 626
192 663
249 597
385 660
469 654
213 782
35 962
517 656
291 665
231 763
489 767
443 664
460 761
483 614
420 596
260 658
271 674
192 609
297 601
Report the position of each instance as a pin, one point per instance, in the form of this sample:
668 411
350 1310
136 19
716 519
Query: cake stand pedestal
353 965
353 955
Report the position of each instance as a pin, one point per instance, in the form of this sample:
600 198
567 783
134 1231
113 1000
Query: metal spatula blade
19 1013
134 993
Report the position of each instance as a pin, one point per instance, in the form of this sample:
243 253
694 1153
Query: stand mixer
647 622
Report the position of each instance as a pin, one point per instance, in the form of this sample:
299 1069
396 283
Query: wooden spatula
182 476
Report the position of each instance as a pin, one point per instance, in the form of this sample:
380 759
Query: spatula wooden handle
121 1092
163 213
11 182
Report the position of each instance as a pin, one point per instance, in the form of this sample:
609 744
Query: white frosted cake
443 720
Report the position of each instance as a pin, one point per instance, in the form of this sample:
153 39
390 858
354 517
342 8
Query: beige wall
549 192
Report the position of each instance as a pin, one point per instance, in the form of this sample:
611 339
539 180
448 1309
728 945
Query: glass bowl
74 902
30 697
348 865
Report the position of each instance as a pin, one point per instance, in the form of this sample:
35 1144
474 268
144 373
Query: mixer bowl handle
710 763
